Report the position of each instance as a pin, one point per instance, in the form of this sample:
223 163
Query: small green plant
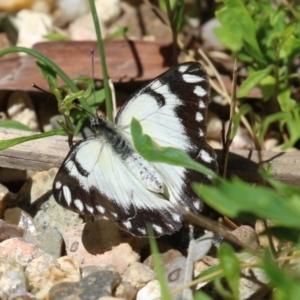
66 95
266 36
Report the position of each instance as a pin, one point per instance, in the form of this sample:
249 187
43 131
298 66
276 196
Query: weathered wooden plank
49 152
126 61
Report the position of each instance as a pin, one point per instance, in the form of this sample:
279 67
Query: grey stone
91 287
12 283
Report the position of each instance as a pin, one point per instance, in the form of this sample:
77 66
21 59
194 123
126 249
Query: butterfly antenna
42 90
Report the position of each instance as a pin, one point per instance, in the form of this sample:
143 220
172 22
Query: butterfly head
97 123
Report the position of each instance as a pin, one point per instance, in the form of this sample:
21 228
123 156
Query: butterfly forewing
94 178
172 109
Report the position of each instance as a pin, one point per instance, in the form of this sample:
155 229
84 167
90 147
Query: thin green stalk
158 266
108 99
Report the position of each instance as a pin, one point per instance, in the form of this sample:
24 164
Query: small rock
35 198
247 235
32 27
69 10
8 264
138 275
201 266
151 291
214 126
111 298
8 231
88 270
205 263
263 238
43 6
175 274
48 239
36 190
214 144
253 283
133 15
21 109
66 270
5 196
83 27
14 5
125 290
12 284
241 140
51 214
19 251
209 37
165 258
96 244
22 219
25 296
270 144
94 286
35 270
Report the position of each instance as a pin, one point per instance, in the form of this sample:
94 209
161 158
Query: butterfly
104 174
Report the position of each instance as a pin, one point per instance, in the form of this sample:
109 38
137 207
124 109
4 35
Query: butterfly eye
94 122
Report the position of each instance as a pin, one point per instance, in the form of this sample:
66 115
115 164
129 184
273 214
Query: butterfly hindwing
93 181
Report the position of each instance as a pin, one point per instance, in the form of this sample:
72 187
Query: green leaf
267 86
236 119
202 296
222 291
286 103
15 141
14 124
177 15
229 40
286 286
288 32
230 266
56 37
49 74
292 123
119 32
290 48
152 152
253 80
237 197
237 21
95 99
266 123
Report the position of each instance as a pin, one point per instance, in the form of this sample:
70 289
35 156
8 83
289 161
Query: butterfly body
137 165
104 174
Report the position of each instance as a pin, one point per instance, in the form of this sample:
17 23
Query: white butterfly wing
172 110
94 181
